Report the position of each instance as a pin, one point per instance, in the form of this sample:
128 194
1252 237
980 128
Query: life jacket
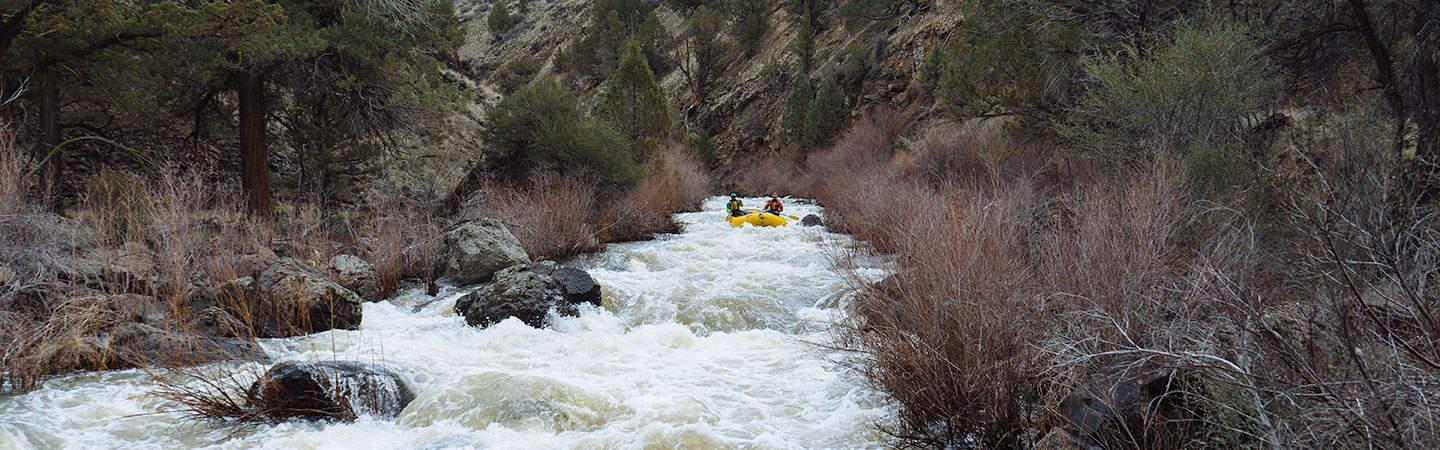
774 205
734 205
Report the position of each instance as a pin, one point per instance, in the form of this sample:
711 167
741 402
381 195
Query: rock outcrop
356 275
330 390
812 220
528 292
473 251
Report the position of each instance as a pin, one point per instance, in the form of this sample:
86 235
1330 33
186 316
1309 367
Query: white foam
704 341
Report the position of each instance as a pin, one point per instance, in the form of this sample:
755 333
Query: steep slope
744 109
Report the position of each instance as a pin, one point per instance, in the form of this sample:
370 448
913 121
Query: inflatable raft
757 218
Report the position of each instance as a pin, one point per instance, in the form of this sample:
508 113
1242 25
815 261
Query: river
706 340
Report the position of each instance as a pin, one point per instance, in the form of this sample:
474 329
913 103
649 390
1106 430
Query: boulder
812 220
473 251
140 345
294 299
1104 411
330 390
356 275
215 321
528 292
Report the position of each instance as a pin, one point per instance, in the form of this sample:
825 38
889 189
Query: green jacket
734 204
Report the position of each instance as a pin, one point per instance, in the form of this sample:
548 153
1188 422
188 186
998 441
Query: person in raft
734 206
773 205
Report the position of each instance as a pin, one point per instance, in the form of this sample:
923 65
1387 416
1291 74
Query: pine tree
804 46
826 114
702 52
634 102
801 94
655 40
499 19
523 6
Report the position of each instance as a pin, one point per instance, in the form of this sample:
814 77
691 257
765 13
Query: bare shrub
948 335
549 213
773 174
674 183
400 242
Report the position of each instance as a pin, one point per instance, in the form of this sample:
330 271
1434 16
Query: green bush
517 73
541 127
1188 92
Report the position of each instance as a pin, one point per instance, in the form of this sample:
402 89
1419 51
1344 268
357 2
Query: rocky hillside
745 107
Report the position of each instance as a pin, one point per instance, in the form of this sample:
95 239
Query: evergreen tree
750 23
541 127
499 19
702 52
655 40
804 46
801 95
825 115
634 102
523 6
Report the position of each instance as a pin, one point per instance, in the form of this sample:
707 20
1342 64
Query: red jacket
774 205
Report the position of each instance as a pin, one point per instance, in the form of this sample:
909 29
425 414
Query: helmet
774 195
732 194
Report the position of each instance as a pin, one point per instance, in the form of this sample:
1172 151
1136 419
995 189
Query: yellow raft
757 218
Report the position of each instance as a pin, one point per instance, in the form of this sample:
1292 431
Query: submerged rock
356 275
330 390
528 292
297 300
140 345
812 220
473 251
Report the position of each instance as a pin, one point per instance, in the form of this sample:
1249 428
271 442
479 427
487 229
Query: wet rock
356 275
1103 411
215 321
1059 439
295 300
141 345
473 251
330 390
812 220
528 292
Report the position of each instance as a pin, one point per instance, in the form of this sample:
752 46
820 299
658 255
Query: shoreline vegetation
1115 224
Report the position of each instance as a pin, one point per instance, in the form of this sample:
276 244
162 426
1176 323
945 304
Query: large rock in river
528 292
296 300
473 251
330 390
356 275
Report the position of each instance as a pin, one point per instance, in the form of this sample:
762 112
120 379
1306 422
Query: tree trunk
1425 91
54 161
1384 69
254 173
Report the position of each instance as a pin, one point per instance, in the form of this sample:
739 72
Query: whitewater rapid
707 339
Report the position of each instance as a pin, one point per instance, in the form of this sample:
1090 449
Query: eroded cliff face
743 112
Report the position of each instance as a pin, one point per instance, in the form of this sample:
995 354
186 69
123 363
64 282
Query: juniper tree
499 19
634 102
801 94
825 115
